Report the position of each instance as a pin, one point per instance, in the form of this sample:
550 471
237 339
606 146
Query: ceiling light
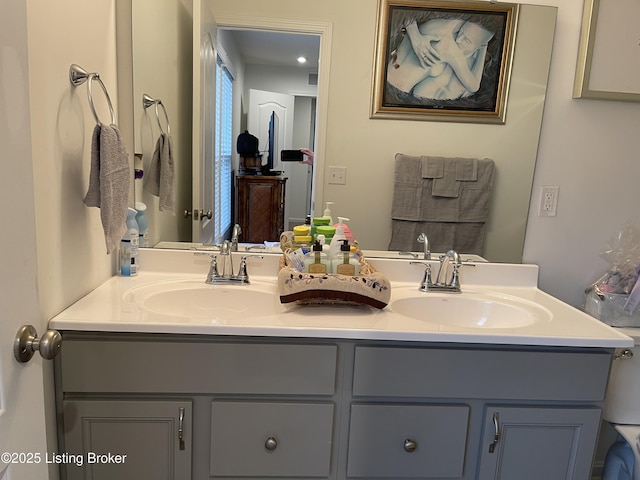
302 59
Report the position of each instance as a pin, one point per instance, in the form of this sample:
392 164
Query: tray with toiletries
314 276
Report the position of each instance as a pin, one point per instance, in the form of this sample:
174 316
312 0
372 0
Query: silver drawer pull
496 435
410 445
271 444
181 428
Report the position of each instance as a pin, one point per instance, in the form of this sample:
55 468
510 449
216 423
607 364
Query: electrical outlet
548 201
338 175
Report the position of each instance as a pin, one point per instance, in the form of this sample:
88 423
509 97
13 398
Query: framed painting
443 60
608 65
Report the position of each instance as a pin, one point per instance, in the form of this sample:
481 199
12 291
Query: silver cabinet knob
27 343
410 445
271 444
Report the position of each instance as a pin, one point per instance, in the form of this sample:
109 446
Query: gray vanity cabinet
194 407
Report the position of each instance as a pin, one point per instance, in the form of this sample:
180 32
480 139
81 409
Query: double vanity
196 381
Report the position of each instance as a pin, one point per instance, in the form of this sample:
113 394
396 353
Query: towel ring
147 101
78 76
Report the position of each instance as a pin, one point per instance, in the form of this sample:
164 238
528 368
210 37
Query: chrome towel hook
78 76
148 101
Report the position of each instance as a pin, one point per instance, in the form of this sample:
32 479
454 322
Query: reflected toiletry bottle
317 261
143 224
327 212
336 241
345 262
129 246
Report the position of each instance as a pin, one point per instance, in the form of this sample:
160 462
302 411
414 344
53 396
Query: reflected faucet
422 238
234 237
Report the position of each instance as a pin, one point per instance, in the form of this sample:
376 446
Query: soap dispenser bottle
327 212
346 263
316 261
336 241
129 246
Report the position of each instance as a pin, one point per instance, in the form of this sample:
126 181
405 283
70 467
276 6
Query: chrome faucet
234 237
227 276
422 238
447 279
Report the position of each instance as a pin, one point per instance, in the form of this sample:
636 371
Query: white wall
72 257
162 57
591 150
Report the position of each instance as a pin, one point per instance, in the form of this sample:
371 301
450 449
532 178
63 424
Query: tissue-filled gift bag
610 308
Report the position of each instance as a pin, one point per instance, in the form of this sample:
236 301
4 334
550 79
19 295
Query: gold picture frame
466 50
607 67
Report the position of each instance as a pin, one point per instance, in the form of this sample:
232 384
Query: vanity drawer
477 373
139 366
402 441
266 439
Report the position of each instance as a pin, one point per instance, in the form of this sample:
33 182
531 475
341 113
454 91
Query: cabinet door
127 440
261 207
538 443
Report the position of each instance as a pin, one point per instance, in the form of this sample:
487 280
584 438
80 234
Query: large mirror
342 135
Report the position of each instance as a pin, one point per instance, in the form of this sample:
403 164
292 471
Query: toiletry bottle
336 241
316 261
327 231
327 212
129 246
345 228
143 224
317 221
346 263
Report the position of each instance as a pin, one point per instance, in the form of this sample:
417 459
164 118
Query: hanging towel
160 177
448 173
109 182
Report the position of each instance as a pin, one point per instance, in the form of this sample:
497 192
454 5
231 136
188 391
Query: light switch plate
337 175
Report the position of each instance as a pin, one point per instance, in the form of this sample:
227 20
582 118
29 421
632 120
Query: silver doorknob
27 343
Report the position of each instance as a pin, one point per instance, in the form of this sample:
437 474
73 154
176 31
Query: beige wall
72 257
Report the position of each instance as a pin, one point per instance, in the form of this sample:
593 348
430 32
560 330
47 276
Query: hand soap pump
327 212
316 261
347 265
336 241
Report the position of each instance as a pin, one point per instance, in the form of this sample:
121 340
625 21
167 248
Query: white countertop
112 308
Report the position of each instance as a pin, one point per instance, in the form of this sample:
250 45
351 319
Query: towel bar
148 101
78 76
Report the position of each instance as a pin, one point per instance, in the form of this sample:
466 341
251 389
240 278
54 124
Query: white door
204 108
261 105
22 428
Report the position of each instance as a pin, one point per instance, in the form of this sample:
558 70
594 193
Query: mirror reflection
347 138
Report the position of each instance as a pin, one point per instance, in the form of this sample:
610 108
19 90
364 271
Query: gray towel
443 236
160 175
448 173
413 199
109 182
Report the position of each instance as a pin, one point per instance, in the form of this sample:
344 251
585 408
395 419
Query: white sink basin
191 299
483 310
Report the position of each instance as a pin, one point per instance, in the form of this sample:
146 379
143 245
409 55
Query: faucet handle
242 270
426 282
213 269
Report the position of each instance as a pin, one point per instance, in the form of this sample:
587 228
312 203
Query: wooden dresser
260 201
